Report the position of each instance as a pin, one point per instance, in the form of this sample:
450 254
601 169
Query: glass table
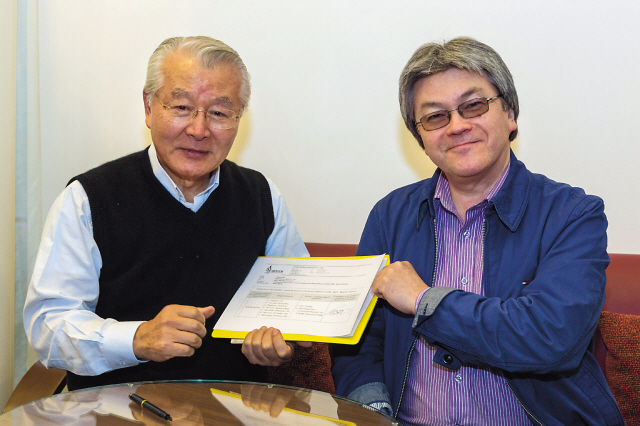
196 402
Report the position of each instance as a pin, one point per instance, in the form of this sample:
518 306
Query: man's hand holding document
307 299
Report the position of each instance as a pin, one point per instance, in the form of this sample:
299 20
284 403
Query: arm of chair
331 250
39 382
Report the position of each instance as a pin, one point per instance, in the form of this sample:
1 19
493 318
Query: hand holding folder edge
227 326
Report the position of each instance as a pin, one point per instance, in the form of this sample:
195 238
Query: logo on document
275 271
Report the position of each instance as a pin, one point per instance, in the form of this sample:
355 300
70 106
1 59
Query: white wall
7 190
324 120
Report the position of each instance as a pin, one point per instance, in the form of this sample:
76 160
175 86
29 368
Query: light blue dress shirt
59 313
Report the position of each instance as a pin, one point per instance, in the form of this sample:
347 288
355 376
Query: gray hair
209 51
464 53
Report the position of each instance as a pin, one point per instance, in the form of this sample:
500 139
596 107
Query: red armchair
617 338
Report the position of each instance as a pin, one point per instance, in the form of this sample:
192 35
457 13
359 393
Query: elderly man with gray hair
137 252
488 310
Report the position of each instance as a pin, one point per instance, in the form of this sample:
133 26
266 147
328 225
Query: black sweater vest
156 252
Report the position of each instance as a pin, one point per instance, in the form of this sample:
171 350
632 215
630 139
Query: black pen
149 406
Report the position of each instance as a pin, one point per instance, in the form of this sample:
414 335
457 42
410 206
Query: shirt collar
160 173
442 194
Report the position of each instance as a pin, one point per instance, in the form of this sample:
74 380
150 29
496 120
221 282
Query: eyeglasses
438 119
217 118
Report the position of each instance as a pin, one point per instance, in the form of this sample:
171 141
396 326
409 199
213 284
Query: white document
303 296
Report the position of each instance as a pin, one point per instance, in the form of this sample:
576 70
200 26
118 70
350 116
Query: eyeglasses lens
473 108
469 109
217 119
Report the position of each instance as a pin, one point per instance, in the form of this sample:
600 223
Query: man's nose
199 126
457 123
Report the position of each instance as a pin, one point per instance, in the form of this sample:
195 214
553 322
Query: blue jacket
544 282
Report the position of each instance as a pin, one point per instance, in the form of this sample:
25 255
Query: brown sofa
617 338
623 297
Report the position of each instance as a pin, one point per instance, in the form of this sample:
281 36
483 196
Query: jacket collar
510 202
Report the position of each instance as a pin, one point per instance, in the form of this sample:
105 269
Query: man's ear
147 109
145 97
512 121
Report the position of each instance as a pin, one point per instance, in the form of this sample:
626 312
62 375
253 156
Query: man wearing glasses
136 251
498 274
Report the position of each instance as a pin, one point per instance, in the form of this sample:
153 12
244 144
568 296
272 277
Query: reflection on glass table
196 403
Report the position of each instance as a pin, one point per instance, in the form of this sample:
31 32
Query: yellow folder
349 340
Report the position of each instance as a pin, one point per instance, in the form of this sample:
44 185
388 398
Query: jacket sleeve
357 369
546 326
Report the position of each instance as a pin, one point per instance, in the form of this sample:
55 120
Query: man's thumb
208 311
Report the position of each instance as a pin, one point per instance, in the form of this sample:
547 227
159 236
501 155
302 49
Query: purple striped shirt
471 395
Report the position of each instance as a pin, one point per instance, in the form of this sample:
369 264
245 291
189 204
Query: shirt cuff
419 298
370 393
117 346
385 407
429 301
